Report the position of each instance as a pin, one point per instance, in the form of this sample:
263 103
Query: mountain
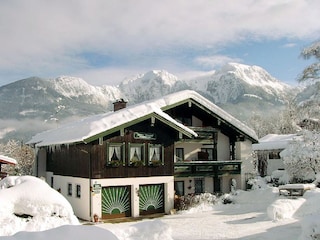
31 105
152 84
244 90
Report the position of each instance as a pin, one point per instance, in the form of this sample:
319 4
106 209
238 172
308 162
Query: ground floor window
78 193
69 189
198 185
179 188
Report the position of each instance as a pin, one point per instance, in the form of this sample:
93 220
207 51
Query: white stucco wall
81 206
244 153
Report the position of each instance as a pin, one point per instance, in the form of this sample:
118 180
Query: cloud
289 45
49 38
213 62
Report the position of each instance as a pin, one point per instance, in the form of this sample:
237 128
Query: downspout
90 188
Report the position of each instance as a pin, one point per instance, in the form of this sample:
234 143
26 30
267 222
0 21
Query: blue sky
105 41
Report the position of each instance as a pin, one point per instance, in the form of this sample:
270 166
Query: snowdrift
29 204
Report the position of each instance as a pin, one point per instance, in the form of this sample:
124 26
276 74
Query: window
155 155
69 189
78 193
198 185
136 154
209 153
179 188
52 182
115 154
274 155
179 154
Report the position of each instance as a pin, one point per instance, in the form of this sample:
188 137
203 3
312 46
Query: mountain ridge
64 98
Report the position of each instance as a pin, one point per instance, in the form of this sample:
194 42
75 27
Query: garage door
151 199
116 202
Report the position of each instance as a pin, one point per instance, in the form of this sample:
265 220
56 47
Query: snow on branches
312 72
302 156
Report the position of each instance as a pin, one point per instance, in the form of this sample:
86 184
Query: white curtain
116 150
135 151
154 153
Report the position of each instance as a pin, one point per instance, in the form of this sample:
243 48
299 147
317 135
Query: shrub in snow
203 200
33 199
257 183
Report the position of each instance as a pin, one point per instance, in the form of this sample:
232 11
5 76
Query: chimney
119 104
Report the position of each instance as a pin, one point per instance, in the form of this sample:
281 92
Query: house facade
132 161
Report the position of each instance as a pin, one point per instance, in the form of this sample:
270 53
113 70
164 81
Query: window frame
142 160
177 158
69 189
150 154
78 191
109 161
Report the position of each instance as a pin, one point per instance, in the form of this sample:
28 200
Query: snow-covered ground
257 214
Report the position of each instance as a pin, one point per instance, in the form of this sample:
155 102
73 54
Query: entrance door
151 199
116 202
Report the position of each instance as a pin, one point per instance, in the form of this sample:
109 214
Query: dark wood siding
77 160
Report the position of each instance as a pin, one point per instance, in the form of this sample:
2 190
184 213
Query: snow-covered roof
7 160
274 141
88 128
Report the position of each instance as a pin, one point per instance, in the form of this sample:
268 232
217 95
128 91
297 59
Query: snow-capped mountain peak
150 85
253 75
159 76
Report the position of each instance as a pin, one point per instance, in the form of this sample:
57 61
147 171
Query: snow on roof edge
7 160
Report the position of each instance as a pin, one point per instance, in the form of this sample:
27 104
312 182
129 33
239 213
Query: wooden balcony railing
207 168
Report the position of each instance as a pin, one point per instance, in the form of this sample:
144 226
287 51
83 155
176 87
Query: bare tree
22 153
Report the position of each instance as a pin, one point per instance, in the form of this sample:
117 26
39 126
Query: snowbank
284 208
146 230
29 204
65 232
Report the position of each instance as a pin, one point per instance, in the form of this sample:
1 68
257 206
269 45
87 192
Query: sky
106 41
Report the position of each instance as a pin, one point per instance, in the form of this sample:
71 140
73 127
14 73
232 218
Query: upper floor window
155 155
208 154
136 154
115 154
179 154
274 155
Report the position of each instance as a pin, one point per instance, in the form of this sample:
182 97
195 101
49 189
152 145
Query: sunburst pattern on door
115 200
151 197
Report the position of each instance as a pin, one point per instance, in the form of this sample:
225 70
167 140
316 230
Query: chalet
5 160
133 161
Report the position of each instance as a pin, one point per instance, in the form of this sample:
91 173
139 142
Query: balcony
206 168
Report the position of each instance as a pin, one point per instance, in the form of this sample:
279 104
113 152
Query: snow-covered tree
302 156
20 152
312 72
